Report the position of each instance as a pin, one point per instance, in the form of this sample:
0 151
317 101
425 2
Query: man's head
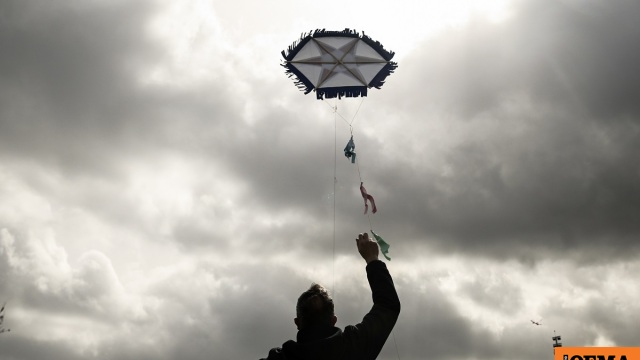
315 309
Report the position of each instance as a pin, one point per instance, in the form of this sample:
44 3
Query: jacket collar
314 334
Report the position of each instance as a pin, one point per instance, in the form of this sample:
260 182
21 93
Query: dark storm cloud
548 159
72 95
74 109
64 76
564 53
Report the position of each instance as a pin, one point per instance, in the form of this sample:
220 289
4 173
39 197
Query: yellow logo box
596 353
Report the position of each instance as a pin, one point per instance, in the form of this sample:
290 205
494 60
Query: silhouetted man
318 338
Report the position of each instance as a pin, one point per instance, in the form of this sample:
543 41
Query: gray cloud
496 293
23 347
531 153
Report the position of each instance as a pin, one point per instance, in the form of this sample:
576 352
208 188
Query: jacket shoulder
274 354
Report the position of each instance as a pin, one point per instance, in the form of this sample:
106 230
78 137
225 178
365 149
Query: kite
366 197
338 63
349 150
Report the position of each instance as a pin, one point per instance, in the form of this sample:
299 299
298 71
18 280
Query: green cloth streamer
384 247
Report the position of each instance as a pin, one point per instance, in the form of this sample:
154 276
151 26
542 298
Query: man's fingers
363 238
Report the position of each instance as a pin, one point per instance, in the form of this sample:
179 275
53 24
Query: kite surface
338 63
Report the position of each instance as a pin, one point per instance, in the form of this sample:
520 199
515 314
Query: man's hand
367 248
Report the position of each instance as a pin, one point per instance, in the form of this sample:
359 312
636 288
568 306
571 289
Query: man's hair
315 307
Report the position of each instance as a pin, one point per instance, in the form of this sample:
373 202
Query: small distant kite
338 63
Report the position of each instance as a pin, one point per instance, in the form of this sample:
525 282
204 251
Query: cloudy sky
166 192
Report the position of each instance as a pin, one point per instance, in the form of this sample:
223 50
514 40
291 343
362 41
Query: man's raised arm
371 334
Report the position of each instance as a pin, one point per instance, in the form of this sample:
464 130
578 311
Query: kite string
350 123
355 114
334 108
335 180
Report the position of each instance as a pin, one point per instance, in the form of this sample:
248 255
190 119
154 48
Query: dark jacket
362 341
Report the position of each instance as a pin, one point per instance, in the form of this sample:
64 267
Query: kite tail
366 197
373 204
384 247
349 150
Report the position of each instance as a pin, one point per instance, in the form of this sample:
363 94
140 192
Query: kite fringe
305 37
386 54
344 33
293 49
379 79
299 80
388 69
339 92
